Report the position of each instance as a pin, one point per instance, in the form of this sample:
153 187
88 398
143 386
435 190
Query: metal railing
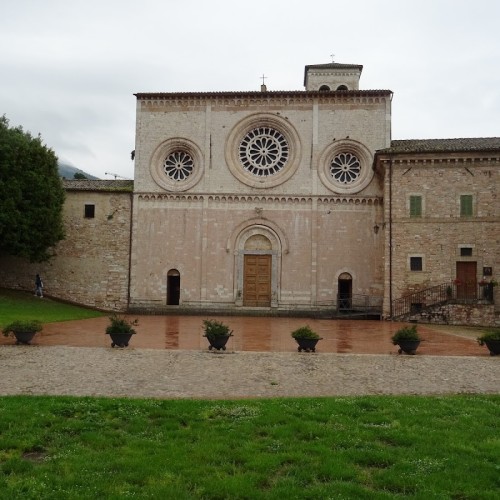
359 304
456 292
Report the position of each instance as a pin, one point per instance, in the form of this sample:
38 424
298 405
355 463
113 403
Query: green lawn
16 305
349 447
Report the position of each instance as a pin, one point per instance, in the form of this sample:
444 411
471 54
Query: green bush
214 328
405 333
305 332
33 326
119 324
492 334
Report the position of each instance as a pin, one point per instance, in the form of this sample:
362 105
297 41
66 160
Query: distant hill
68 172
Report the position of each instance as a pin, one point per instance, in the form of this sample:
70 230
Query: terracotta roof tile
98 185
443 145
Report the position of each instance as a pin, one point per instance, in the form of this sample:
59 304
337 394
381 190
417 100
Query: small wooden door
466 280
257 281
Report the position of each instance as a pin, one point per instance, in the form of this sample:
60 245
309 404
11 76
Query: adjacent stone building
282 202
91 265
442 219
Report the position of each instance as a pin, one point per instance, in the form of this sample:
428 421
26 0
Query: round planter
307 345
217 342
120 339
408 346
24 337
493 346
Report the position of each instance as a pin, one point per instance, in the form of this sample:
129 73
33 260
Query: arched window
324 88
342 87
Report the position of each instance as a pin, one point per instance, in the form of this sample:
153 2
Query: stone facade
207 221
91 265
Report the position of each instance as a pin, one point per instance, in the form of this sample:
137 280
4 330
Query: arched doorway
173 287
257 246
344 296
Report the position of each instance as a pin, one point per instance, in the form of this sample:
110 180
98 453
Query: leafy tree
31 195
80 176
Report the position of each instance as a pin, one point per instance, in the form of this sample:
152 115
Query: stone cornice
242 198
282 98
443 160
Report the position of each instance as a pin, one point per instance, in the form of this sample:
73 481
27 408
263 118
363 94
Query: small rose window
345 168
178 165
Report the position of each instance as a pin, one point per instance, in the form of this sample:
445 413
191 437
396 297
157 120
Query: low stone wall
459 314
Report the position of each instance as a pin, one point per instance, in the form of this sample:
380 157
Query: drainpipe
390 234
130 246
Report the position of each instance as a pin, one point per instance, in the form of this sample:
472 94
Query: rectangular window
89 211
415 206
466 252
415 263
466 205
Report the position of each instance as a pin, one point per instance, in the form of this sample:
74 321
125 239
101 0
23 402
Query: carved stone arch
266 225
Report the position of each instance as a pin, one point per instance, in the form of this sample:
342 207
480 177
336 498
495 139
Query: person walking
38 286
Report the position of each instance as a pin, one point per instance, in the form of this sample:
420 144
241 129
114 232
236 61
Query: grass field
16 305
363 447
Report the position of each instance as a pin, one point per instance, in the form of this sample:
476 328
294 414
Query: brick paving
168 358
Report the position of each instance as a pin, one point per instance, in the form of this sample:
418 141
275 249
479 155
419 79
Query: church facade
260 199
274 202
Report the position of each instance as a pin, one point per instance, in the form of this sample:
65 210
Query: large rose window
263 151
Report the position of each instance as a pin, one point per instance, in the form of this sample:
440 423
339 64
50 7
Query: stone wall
91 266
460 314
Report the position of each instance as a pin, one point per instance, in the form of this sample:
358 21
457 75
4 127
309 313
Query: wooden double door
257 281
466 280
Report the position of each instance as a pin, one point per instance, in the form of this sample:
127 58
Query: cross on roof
263 78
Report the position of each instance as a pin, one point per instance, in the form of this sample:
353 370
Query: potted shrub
120 330
306 338
491 338
217 334
23 330
407 338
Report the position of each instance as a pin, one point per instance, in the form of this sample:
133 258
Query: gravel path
166 374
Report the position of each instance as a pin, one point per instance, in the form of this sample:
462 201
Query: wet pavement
260 334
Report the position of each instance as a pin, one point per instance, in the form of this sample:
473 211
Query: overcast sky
69 68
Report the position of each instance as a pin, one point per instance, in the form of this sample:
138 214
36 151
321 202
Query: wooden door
466 280
257 281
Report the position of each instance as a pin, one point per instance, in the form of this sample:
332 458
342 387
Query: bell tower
332 76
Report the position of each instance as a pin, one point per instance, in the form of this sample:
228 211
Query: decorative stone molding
152 102
270 199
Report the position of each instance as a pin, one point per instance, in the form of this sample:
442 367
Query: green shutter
466 205
415 206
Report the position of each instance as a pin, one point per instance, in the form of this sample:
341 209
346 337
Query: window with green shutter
466 205
415 206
